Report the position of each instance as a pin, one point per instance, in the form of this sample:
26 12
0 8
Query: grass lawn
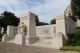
71 48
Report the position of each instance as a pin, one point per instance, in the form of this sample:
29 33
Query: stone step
11 41
9 38
14 48
44 41
47 43
45 46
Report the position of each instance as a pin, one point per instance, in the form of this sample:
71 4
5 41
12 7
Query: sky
45 9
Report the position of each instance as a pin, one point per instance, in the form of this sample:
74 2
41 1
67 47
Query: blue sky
45 9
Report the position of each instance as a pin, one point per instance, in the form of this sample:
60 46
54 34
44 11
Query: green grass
71 48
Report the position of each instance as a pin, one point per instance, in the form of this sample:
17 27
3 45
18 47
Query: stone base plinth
26 40
18 39
31 40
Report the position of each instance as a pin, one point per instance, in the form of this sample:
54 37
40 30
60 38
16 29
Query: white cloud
45 9
50 9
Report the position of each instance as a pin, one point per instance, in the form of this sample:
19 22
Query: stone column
2 30
57 41
61 25
20 37
29 21
27 36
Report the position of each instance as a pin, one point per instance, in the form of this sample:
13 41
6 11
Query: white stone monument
49 36
26 30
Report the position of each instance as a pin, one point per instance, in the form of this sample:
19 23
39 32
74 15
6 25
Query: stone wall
57 41
45 31
11 31
46 36
10 35
70 25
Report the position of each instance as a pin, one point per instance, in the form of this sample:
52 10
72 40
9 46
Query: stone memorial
49 36
26 30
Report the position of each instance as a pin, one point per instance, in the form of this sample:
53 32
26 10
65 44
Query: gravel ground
13 48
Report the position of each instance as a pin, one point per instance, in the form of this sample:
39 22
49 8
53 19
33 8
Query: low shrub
74 38
1 36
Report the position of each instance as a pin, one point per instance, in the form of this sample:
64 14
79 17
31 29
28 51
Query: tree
36 20
74 38
53 21
75 7
72 17
38 23
8 18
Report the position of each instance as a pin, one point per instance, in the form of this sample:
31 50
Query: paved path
13 48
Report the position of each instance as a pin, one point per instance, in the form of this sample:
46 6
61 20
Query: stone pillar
20 36
57 41
65 25
61 25
30 35
4 38
29 21
2 30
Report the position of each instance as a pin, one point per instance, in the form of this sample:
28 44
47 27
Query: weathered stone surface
48 36
27 30
13 48
11 31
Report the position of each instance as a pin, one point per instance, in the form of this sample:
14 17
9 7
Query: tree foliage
53 21
73 18
8 18
74 38
38 23
75 7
